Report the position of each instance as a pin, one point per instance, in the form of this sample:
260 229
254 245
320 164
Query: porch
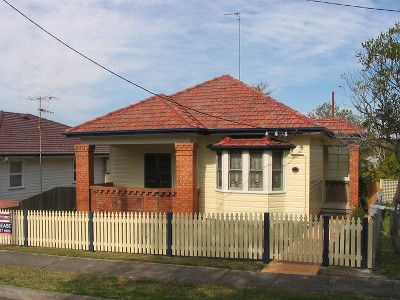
149 178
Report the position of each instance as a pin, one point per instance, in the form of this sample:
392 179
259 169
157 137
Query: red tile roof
264 143
19 135
223 103
339 125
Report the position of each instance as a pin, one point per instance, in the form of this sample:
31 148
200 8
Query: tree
375 93
263 87
324 111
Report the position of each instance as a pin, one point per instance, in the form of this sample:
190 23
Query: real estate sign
5 223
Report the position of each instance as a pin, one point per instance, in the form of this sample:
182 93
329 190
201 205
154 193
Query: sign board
5 223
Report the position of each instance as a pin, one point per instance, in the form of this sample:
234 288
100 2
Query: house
220 146
21 173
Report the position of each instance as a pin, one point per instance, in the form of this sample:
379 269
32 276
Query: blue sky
300 48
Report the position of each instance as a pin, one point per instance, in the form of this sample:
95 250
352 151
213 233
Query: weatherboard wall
56 172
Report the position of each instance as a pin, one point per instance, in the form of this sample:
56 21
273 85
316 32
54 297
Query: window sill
250 192
16 188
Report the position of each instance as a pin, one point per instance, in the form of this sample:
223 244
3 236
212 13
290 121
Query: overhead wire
165 97
354 6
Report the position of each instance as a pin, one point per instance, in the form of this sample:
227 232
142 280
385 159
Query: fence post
25 222
169 234
325 253
364 243
266 254
90 231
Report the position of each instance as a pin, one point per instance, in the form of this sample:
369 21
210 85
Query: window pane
235 170
235 161
277 171
276 180
256 181
15 180
256 171
157 170
235 179
15 167
255 161
219 170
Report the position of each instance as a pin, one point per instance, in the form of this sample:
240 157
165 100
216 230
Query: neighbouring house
220 146
22 175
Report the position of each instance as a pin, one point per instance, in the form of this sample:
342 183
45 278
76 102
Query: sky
300 48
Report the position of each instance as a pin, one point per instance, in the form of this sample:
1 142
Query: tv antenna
41 99
237 14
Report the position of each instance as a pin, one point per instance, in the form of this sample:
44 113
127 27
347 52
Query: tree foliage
375 90
263 87
375 93
324 111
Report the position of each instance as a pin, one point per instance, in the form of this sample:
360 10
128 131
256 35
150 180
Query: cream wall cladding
293 199
127 163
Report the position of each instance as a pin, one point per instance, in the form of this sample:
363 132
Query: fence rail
248 236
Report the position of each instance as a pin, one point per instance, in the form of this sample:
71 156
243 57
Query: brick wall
84 156
118 199
186 178
354 165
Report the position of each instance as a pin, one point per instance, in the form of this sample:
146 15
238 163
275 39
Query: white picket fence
292 237
218 235
296 238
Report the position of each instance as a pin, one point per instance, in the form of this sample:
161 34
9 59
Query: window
219 170
256 171
15 174
338 163
277 171
157 170
235 171
74 168
250 171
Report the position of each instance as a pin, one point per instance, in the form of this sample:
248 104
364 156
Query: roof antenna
237 14
333 104
41 110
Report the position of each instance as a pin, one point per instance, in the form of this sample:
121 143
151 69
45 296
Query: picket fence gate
290 237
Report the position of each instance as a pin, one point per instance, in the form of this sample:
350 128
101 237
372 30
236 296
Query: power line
354 6
168 98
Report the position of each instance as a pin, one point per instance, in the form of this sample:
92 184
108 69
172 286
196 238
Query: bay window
250 170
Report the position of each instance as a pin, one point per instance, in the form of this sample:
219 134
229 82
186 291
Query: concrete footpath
364 287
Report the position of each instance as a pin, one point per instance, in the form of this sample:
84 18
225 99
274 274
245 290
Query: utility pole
40 99
237 14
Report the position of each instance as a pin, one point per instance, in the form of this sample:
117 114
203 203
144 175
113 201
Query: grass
232 264
127 288
387 263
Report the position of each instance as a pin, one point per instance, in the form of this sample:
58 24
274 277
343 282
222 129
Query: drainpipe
305 177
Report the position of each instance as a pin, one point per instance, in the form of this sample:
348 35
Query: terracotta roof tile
265 142
221 103
19 135
338 125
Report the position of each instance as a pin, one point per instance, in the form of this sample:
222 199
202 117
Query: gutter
203 131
